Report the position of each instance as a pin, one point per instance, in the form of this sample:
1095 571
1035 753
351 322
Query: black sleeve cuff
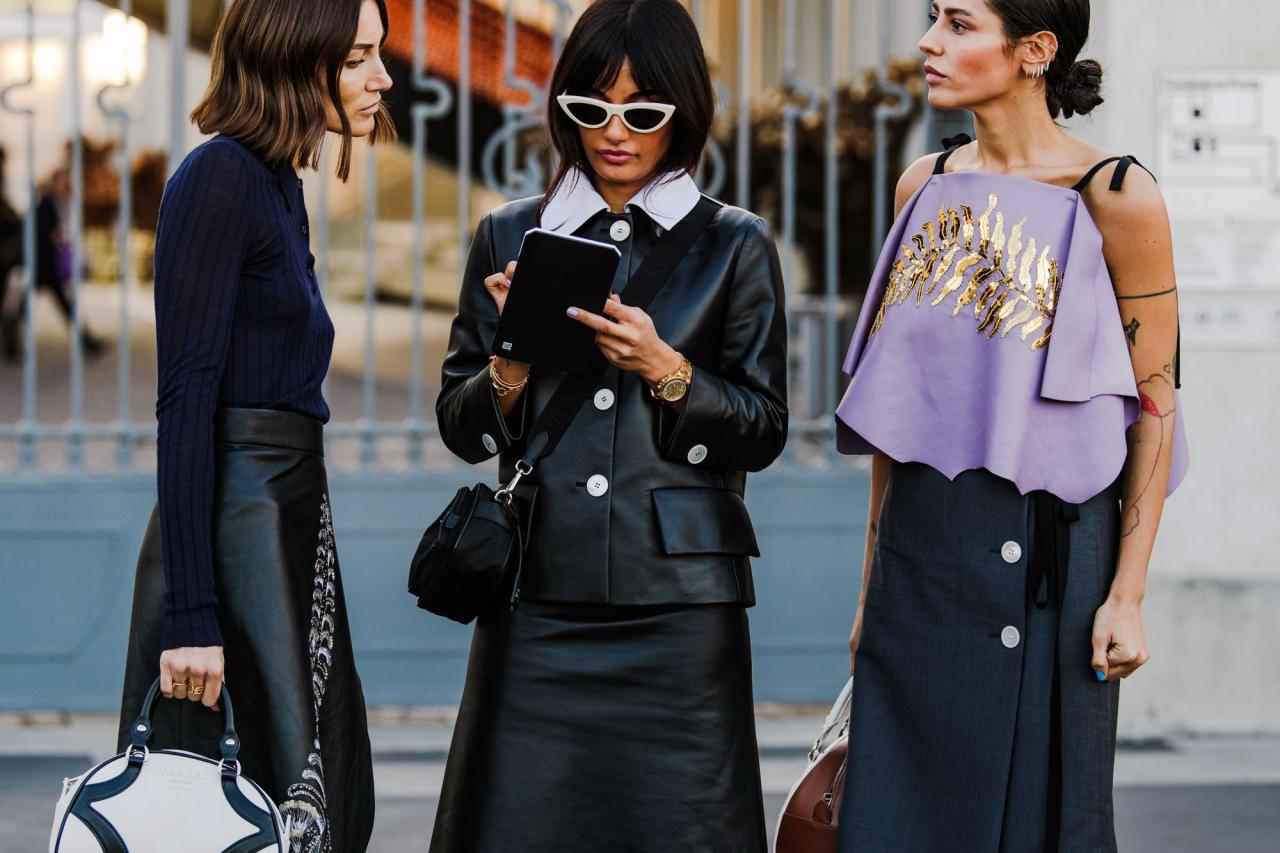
722 426
195 628
481 431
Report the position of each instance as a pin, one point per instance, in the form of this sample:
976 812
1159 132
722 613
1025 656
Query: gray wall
1215 575
70 547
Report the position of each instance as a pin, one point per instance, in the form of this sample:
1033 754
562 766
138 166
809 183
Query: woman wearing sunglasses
612 709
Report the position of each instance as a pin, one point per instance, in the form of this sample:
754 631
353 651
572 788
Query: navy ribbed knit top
239 322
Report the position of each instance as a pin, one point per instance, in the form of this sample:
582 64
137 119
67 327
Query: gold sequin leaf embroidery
1011 284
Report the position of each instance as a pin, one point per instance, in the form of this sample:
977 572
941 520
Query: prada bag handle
228 744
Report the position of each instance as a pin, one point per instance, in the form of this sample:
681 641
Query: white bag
160 801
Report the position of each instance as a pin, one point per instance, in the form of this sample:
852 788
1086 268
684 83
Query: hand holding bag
475 546
809 822
159 801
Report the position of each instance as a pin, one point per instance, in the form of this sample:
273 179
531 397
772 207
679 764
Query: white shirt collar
666 200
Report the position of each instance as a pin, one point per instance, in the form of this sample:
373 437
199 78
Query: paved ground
1180 796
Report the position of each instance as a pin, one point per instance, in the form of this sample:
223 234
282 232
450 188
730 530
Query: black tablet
553 273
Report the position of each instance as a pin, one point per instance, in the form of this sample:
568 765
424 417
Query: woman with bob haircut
612 708
239 554
1013 375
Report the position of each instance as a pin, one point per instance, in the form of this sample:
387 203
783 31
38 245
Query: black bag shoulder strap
574 390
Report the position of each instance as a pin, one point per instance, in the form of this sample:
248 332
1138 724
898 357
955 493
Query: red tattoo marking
1133 514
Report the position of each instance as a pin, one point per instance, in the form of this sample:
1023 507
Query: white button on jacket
697 453
489 444
1010 637
1011 551
597 486
619 231
604 399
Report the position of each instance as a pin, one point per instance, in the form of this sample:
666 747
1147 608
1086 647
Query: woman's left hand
626 336
1119 641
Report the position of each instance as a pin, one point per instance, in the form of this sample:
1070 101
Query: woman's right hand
200 667
499 284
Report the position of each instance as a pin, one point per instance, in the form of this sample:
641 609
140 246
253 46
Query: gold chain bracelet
502 387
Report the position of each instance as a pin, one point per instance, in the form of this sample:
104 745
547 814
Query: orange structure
533 47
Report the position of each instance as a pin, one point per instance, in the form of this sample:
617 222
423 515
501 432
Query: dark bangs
667 62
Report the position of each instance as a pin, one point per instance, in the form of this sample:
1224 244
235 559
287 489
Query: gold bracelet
502 387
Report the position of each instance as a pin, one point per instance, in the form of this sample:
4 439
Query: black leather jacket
638 504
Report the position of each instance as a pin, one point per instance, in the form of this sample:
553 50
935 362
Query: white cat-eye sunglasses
592 113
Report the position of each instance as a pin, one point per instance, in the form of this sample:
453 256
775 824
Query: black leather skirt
594 728
299 706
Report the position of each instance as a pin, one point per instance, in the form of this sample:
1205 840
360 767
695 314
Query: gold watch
673 387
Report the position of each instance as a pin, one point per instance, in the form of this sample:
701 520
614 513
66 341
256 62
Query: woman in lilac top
1014 376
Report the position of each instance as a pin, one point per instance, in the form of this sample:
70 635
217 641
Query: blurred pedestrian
54 260
11 253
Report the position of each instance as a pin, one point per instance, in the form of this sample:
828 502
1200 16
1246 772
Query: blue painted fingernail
1101 675
572 312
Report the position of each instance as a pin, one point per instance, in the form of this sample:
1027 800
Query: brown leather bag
810 819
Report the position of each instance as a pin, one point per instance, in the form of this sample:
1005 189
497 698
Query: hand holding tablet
627 337
499 284
552 274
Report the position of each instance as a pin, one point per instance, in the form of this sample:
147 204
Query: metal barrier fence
819 314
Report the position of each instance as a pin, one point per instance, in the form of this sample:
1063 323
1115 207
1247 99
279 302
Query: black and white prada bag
163 800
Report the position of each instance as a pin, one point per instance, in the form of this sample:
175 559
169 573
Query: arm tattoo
1150 410
1149 295
1131 331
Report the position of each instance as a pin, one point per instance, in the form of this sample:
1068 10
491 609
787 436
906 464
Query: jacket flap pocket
704 521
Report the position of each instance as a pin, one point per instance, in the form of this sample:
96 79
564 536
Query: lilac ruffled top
991 338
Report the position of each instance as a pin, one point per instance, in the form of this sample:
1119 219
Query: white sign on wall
1219 167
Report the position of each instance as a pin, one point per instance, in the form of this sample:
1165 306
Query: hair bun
1078 90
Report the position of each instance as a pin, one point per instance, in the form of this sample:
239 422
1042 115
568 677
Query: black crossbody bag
476 546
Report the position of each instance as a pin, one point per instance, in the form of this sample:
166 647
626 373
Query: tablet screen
553 273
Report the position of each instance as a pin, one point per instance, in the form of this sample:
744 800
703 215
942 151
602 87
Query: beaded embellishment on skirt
305 810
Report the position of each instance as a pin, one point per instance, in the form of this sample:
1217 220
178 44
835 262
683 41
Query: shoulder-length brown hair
266 90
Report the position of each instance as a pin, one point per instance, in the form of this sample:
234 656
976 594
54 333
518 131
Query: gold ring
194 690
